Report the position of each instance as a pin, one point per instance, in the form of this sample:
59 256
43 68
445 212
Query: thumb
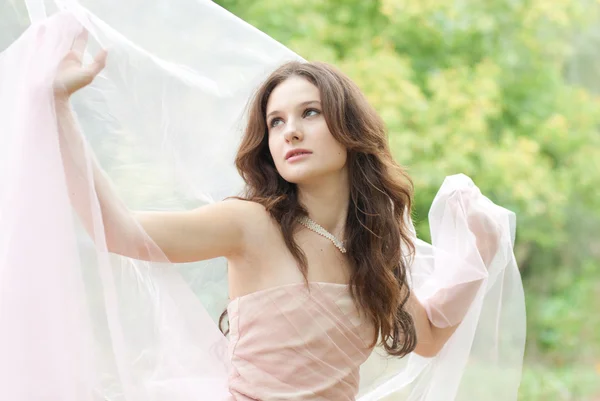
98 64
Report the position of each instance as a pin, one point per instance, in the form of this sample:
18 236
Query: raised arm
437 317
204 233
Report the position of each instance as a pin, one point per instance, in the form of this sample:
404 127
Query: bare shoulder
247 208
252 216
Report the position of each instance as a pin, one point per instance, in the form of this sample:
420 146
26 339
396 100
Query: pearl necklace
314 226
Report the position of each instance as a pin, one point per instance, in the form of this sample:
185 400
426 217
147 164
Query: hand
71 75
481 217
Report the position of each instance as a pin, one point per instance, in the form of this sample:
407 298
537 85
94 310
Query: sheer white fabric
164 119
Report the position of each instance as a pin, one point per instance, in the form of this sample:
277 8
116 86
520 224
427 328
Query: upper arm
430 338
210 231
425 341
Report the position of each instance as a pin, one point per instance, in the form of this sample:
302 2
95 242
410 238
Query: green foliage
480 87
562 324
576 383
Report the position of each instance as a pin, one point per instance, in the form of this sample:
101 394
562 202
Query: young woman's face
299 140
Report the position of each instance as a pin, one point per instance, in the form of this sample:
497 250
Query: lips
296 152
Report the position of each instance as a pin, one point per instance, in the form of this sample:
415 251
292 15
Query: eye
311 112
274 122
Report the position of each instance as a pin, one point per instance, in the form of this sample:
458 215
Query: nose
293 133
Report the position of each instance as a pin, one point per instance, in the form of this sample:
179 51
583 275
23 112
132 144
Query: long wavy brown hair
377 236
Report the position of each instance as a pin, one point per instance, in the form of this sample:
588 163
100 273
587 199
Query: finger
99 63
80 42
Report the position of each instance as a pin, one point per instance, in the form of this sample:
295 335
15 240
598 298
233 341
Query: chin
297 177
304 177
307 174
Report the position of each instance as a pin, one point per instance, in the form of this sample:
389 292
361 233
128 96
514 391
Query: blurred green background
504 91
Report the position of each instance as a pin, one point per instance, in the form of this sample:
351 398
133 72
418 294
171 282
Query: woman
318 247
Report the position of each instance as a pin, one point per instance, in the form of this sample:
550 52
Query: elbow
430 344
125 244
427 349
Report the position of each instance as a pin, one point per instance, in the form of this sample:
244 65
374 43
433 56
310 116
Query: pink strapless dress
295 342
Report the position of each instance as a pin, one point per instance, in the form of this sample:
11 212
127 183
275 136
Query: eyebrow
300 105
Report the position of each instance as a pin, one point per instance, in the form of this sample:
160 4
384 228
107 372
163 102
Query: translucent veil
164 120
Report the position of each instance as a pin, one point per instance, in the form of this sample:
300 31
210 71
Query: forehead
291 92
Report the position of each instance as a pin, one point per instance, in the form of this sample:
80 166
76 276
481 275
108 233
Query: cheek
272 148
342 156
339 153
275 151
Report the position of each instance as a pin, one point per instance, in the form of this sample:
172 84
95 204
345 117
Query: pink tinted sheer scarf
78 323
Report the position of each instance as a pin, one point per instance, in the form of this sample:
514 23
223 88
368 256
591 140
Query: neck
326 201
